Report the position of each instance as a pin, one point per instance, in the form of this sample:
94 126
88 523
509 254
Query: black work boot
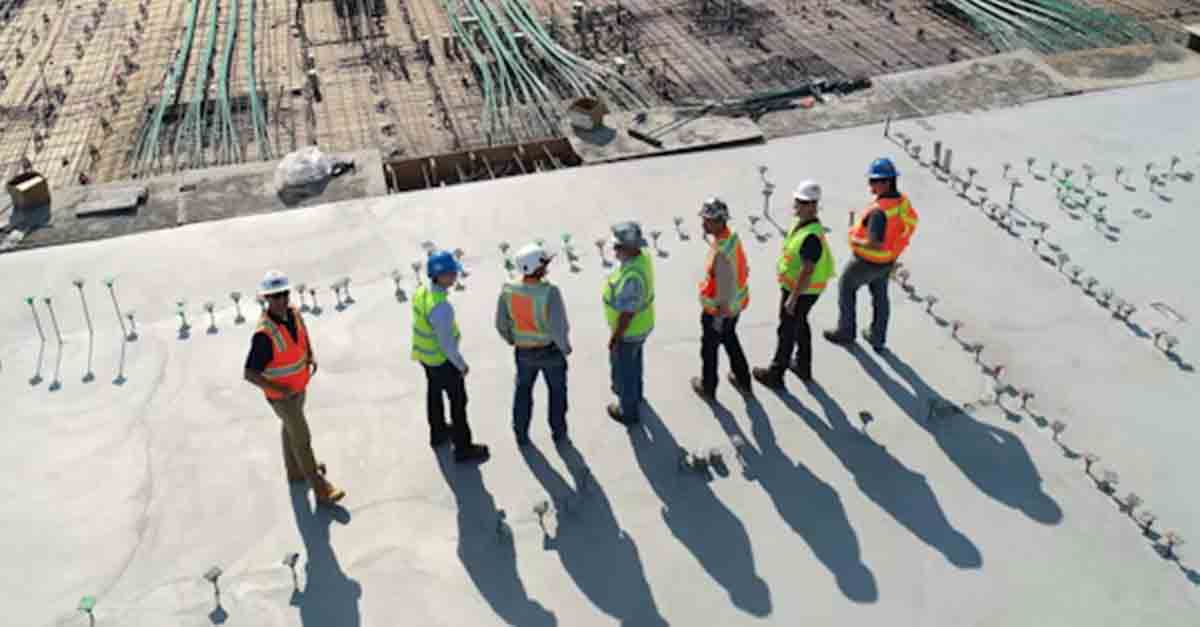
745 388
471 453
837 338
698 388
769 377
801 371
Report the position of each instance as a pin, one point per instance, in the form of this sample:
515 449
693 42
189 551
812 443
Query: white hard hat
530 258
808 191
274 282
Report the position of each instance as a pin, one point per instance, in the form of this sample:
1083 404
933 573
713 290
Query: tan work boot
327 493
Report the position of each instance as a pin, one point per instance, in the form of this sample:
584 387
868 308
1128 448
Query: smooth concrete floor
131 492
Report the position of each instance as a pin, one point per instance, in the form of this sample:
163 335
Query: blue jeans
626 364
552 364
875 276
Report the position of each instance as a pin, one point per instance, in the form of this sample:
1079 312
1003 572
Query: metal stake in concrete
236 297
1026 396
56 383
1145 519
53 319
930 301
948 161
600 249
887 126
290 560
937 154
346 289
86 605
1004 172
955 327
1056 429
336 288
977 349
1089 460
1108 480
181 311
1171 171
683 236
1012 192
1089 285
133 334
316 307
301 289
1130 502
416 268
1173 539
88 376
108 282
37 374
210 307
212 575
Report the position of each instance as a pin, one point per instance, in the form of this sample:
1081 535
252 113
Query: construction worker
628 295
531 317
877 239
281 362
804 267
435 344
724 295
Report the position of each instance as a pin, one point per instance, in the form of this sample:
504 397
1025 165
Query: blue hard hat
882 168
440 263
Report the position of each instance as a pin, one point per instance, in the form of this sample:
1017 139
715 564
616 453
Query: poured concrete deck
130 492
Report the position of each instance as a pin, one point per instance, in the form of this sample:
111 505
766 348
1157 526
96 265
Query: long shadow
697 518
489 557
811 507
992 458
597 554
904 494
329 597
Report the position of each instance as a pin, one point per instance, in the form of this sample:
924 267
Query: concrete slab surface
131 492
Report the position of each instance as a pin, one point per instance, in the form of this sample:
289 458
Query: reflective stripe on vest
289 359
790 264
528 306
902 222
638 268
425 346
729 245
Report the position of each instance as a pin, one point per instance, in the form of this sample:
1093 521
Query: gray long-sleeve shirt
441 318
559 327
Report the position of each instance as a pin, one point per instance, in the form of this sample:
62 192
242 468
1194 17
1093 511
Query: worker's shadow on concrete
598 555
811 507
904 494
697 518
992 458
329 596
488 555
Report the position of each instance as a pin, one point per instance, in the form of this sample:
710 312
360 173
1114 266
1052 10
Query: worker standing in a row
882 232
435 339
724 295
628 296
281 363
531 317
804 267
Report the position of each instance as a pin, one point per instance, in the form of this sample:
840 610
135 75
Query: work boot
837 338
745 388
698 388
471 453
300 477
327 493
769 377
614 412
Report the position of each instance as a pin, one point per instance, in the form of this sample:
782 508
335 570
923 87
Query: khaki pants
297 442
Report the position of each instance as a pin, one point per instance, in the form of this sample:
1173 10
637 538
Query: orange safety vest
289 364
902 221
529 307
728 245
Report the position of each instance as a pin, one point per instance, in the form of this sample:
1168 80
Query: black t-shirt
261 348
810 250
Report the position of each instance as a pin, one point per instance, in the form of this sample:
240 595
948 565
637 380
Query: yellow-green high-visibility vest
425 347
790 262
638 268
528 305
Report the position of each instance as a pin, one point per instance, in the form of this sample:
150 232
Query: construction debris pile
1047 26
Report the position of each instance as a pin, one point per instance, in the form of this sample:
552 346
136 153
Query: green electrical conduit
146 153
